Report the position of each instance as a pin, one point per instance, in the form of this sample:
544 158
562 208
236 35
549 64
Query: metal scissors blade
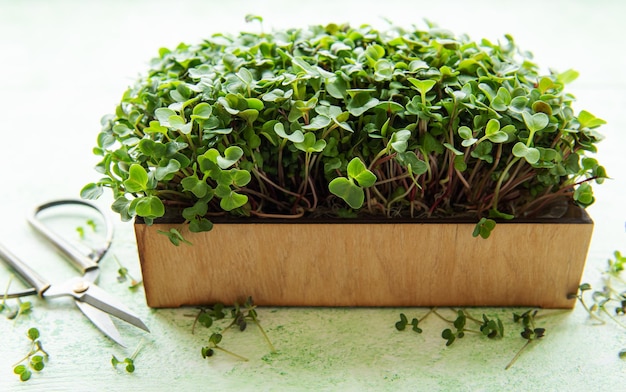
102 321
88 292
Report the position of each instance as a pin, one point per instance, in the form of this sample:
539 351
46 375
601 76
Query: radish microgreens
240 317
124 275
345 121
22 308
608 303
34 360
128 362
489 327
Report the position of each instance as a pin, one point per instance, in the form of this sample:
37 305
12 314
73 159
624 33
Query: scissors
94 302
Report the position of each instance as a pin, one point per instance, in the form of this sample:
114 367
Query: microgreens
214 340
342 121
23 307
124 275
404 321
491 328
34 360
81 230
530 332
174 236
128 362
240 315
610 301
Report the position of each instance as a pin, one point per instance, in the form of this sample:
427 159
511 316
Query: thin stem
434 311
132 357
280 188
267 339
612 318
300 214
496 193
230 353
517 355
591 314
195 321
34 349
469 316
377 157
281 170
313 192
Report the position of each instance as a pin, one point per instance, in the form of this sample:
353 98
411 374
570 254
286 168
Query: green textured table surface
66 63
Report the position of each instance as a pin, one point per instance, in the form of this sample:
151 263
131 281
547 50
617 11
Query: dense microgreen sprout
330 119
34 360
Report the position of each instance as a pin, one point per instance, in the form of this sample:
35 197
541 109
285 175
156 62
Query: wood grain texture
389 264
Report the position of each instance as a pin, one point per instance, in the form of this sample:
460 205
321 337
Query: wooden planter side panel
365 265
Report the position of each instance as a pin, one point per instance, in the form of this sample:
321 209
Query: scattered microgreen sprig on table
489 327
214 340
609 302
34 360
531 333
124 275
81 230
23 307
240 316
128 362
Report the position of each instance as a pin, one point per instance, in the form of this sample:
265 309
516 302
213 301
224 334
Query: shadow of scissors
94 302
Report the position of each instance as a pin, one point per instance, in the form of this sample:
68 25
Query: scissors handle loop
84 262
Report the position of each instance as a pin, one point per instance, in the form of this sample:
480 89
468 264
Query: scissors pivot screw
81 287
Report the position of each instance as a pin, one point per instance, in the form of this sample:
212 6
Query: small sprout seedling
23 307
459 324
128 362
214 340
34 360
206 316
174 236
251 314
81 230
492 328
91 223
531 333
402 324
489 327
610 302
241 316
124 275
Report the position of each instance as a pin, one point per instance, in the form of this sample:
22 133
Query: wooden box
367 264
